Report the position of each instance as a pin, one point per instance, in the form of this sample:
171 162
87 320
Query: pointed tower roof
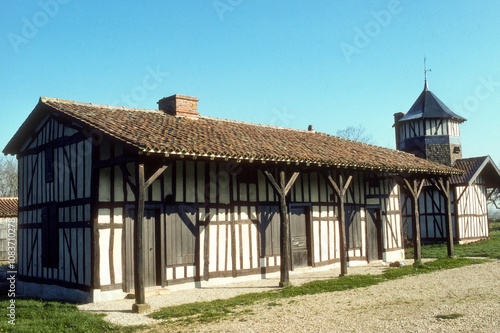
428 105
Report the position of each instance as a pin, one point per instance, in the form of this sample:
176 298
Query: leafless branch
356 134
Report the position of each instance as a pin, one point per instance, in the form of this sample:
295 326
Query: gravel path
410 304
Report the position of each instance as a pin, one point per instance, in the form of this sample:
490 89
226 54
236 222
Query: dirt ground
410 304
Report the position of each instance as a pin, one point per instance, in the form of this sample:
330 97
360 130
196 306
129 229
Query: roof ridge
288 128
105 106
260 125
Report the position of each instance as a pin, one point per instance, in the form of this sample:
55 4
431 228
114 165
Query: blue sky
332 64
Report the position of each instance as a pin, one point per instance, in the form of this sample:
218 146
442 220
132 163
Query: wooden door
299 235
151 240
373 235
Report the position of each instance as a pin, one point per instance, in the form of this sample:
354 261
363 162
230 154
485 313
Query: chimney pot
179 105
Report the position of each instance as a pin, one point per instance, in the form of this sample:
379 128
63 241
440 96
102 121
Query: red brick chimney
179 105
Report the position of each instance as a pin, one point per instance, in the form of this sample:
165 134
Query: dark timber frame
282 190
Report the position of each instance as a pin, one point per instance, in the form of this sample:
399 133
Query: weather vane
425 72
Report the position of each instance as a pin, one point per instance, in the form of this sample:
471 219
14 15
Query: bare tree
494 197
356 134
8 176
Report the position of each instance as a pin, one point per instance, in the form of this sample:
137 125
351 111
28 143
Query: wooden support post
340 188
282 190
449 226
443 185
140 190
413 190
140 295
285 237
417 247
343 242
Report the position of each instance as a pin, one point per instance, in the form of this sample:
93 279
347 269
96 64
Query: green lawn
46 316
486 248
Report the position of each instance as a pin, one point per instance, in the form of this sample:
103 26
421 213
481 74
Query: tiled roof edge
111 107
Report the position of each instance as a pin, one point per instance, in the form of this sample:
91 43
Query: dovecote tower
429 130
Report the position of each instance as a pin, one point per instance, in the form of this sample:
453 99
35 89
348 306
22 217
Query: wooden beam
343 241
445 184
140 297
332 183
273 182
128 177
285 235
139 190
340 188
461 194
282 190
155 175
413 187
291 182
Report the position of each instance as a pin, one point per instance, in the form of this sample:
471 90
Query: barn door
299 235
152 248
373 235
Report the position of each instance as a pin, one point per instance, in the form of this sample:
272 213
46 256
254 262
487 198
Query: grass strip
450 316
485 248
216 310
51 316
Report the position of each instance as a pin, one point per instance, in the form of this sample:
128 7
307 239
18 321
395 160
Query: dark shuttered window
50 237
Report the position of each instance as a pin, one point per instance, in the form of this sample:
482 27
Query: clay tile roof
8 207
157 132
474 167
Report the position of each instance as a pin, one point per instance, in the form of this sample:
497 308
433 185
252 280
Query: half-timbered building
114 200
431 130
